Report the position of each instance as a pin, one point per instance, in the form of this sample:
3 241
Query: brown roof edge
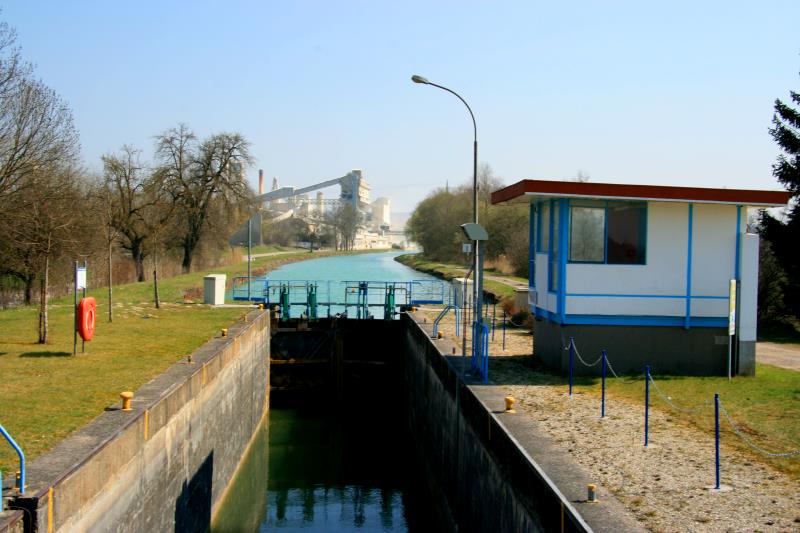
655 192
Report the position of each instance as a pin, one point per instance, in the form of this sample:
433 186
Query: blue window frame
610 232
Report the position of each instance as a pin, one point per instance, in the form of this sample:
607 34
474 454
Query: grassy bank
447 271
46 393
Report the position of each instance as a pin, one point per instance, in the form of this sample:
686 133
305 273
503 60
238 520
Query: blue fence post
494 319
716 437
646 402
571 362
504 330
603 400
486 354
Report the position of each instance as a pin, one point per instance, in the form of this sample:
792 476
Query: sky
667 93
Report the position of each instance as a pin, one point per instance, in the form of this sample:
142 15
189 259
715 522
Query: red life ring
87 310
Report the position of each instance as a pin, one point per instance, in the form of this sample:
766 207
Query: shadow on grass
45 354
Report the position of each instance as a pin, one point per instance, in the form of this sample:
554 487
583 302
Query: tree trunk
43 302
110 311
29 289
186 264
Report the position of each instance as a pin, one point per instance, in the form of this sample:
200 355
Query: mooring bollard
591 496
224 332
126 396
510 401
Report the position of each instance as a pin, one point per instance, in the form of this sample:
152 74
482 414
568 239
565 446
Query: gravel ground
664 485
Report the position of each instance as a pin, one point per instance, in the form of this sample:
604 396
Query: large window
608 232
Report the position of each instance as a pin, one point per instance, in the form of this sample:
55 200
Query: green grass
46 393
765 407
500 291
265 249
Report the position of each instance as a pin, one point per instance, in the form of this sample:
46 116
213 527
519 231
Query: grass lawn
46 393
449 271
766 407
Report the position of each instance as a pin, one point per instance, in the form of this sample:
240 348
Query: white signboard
80 278
732 308
466 248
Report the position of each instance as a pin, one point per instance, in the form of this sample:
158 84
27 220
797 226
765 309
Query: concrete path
782 355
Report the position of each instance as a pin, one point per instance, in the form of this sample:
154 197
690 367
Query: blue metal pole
603 402
494 319
571 362
716 436
21 455
646 402
504 330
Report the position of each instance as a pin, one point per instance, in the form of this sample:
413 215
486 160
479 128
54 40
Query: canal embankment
495 470
165 464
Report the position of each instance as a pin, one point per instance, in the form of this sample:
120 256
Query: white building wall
665 270
748 290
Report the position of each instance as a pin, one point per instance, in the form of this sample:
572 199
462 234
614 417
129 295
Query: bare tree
36 127
345 221
136 207
46 226
199 177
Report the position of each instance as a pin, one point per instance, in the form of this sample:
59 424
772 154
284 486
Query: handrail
439 318
16 447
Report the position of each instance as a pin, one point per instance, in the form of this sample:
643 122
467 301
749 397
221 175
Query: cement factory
284 202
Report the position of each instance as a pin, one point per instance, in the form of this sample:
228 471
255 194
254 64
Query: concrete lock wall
165 464
472 464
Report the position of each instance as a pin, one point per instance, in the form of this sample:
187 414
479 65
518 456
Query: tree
36 127
784 235
202 179
46 226
345 221
136 202
435 222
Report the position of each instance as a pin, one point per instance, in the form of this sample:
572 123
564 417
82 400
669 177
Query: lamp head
474 232
419 79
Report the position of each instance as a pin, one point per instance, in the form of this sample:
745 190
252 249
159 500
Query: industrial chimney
260 181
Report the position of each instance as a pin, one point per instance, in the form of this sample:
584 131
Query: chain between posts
581 358
669 402
749 442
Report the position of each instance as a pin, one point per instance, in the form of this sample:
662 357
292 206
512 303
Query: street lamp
476 296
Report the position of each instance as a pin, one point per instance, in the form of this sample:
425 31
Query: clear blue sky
630 92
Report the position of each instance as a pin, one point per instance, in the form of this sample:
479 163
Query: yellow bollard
224 332
126 396
440 334
510 400
592 493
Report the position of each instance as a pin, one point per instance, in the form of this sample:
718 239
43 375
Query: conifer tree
784 236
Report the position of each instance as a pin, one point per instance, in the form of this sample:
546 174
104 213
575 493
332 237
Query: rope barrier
578 353
749 442
669 401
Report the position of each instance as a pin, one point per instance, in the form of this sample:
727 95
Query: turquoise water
362 267
339 282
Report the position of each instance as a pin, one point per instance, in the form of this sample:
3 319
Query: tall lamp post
476 297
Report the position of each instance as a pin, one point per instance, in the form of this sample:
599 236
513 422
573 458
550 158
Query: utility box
214 289
462 288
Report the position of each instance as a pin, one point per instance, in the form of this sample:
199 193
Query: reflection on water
331 470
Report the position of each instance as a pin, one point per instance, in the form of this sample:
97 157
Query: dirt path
782 355
663 485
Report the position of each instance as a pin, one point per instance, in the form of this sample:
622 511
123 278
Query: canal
328 466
